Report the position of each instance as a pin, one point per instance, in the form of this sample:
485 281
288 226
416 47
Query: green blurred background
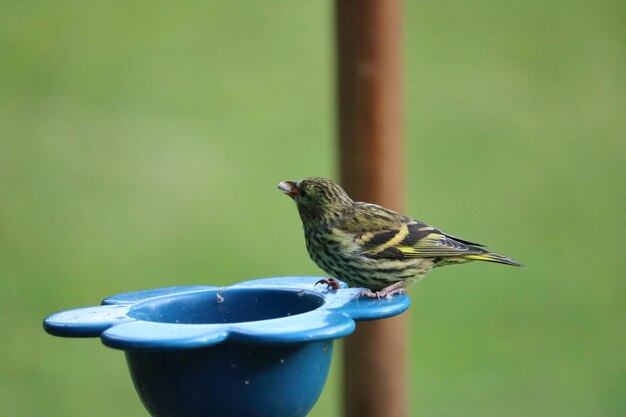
141 144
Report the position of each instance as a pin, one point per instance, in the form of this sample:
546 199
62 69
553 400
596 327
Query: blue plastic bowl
258 348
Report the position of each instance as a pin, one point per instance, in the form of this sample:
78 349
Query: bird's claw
384 293
331 283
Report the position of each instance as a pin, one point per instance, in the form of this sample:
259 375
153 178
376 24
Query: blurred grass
140 145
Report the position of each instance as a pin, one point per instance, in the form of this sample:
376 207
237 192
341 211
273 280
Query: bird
369 246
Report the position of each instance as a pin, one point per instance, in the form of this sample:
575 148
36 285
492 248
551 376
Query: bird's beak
289 188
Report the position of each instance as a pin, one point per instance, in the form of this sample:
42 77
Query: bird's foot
368 294
386 292
331 283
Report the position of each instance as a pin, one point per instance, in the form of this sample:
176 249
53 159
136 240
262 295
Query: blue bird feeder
258 348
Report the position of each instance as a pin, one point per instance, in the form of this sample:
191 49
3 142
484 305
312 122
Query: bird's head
316 197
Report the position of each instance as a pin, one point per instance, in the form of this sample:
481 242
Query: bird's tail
494 257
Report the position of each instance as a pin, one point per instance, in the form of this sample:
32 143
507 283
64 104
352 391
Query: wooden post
368 34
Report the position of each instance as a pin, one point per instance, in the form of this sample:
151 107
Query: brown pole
368 34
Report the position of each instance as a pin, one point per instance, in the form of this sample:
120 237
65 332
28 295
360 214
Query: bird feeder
260 347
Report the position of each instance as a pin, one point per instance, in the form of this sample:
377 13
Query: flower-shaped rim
140 320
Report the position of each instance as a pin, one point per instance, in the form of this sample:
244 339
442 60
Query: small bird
369 246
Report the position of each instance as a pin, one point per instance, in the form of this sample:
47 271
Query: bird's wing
413 240
382 233
437 244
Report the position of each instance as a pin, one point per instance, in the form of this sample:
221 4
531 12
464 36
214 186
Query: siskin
369 246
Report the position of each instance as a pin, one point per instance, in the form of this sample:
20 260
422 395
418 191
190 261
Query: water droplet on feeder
247 382
220 298
282 360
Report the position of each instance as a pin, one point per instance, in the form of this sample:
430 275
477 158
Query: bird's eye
302 192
